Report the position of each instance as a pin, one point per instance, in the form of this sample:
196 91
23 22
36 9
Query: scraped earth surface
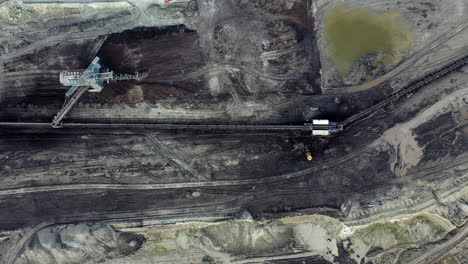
224 196
224 64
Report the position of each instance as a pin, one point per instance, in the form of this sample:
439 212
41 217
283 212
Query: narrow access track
18 248
439 251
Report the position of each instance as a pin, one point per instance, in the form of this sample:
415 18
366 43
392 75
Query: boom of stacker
92 79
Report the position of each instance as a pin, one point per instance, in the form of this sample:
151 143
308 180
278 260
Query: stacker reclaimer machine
92 79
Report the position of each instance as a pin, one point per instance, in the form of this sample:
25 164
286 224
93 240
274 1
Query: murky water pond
353 33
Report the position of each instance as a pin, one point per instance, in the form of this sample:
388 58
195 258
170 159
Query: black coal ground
178 69
91 205
36 79
344 167
112 156
327 182
172 57
323 188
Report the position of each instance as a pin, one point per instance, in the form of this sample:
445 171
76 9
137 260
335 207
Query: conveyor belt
411 88
347 123
154 126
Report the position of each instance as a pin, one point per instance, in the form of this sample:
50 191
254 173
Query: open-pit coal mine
233 131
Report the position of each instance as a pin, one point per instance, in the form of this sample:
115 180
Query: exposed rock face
310 237
80 243
378 241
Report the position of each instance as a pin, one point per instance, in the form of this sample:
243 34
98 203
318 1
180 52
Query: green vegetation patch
353 33
158 249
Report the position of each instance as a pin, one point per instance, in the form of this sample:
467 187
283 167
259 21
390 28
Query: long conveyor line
346 123
163 126
418 84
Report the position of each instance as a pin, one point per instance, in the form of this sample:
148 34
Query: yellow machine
308 154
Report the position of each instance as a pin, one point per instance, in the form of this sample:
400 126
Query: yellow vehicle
308 154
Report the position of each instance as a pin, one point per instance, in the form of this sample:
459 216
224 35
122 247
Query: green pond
353 33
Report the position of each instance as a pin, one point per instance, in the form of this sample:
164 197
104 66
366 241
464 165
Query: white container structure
320 122
320 132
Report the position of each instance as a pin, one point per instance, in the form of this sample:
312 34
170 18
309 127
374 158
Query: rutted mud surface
165 54
235 62
223 61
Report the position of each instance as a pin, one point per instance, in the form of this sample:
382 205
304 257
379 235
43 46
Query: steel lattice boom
90 79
